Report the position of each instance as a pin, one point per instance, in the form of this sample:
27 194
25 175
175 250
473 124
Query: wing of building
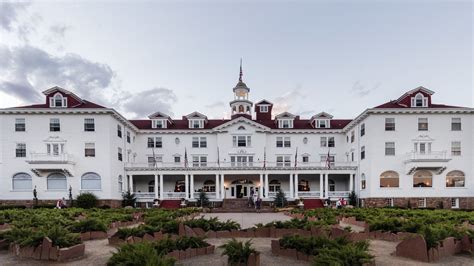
409 149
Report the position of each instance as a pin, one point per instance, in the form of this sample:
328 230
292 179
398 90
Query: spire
241 73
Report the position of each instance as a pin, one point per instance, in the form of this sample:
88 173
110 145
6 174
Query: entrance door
241 189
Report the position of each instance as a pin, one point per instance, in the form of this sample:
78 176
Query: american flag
185 158
328 161
296 158
264 158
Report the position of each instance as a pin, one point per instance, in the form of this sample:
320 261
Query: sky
177 57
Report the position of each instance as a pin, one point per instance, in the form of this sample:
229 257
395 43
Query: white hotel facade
409 149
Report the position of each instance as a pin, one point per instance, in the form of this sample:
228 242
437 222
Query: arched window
241 108
248 108
120 183
419 101
22 181
422 178
332 185
363 183
179 186
241 128
455 179
56 181
274 186
151 186
58 100
209 186
91 181
389 179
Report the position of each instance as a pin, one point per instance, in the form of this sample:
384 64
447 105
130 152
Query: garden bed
46 251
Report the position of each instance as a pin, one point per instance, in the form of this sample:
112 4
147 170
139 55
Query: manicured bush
280 199
88 225
212 224
203 200
86 200
354 254
33 237
128 199
238 252
138 255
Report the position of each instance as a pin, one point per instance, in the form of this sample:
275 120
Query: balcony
434 160
239 166
48 158
44 163
144 196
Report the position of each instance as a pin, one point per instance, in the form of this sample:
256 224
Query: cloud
285 102
362 90
59 30
9 13
218 104
157 99
26 67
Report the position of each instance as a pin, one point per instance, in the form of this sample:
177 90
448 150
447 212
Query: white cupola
241 104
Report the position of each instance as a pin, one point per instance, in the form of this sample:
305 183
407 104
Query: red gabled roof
83 104
395 104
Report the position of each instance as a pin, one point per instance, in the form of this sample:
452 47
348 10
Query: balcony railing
309 194
63 158
428 156
241 165
144 195
174 195
210 195
339 194
273 194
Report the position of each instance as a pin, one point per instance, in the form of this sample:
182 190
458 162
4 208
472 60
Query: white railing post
260 190
296 186
291 186
161 187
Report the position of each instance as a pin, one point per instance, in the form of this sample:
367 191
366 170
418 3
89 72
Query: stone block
433 254
54 253
210 249
37 253
71 252
181 230
158 235
276 247
338 232
182 255
449 247
199 232
358 236
235 233
4 244
98 235
148 237
211 234
262 232
193 252
137 239
174 254
45 247
189 231
223 234
254 259
189 253
413 248
86 236
201 251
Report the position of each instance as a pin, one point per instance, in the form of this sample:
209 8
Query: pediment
242 121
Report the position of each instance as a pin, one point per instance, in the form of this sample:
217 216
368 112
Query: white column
191 190
186 186
296 186
156 186
291 186
260 189
162 196
130 183
326 185
266 186
223 191
321 187
218 188
351 183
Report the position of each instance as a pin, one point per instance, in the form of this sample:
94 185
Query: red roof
212 123
83 104
395 104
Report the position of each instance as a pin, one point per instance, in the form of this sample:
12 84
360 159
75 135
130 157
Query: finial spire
241 73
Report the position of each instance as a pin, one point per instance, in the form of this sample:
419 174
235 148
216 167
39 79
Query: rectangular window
177 159
362 130
362 153
128 136
89 149
159 124
321 123
153 161
199 161
324 159
456 148
352 156
283 142
422 124
324 141
305 158
20 125
285 123
263 108
241 160
119 131
456 124
119 154
389 124
389 148
199 142
158 142
422 203
196 123
242 141
283 160
20 150
352 136
89 124
54 124
455 203
331 142
151 143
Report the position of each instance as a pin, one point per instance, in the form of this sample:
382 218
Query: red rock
137 239
45 247
98 235
210 249
54 253
413 248
199 232
449 247
71 252
189 231
211 234
275 247
148 237
254 259
223 234
201 251
37 253
86 236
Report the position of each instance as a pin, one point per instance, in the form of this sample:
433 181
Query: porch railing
174 195
144 196
339 194
309 194
210 195
232 165
273 194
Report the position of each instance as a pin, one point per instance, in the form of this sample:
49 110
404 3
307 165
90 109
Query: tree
280 199
203 200
353 198
86 200
128 199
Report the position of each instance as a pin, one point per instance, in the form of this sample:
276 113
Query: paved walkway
247 220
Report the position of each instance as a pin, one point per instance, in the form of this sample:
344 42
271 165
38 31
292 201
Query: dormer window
196 123
58 101
285 123
322 123
263 108
158 123
419 101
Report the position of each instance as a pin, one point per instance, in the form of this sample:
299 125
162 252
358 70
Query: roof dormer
57 97
263 109
58 100
419 97
419 100
321 120
196 120
285 120
160 120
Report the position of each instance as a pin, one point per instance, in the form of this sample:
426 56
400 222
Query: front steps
239 205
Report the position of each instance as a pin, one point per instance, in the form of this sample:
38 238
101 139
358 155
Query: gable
248 124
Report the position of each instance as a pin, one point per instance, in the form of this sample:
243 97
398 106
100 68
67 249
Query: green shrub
86 200
280 199
88 225
128 199
354 254
141 254
33 237
203 200
237 252
212 224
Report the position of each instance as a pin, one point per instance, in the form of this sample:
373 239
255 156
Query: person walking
258 204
